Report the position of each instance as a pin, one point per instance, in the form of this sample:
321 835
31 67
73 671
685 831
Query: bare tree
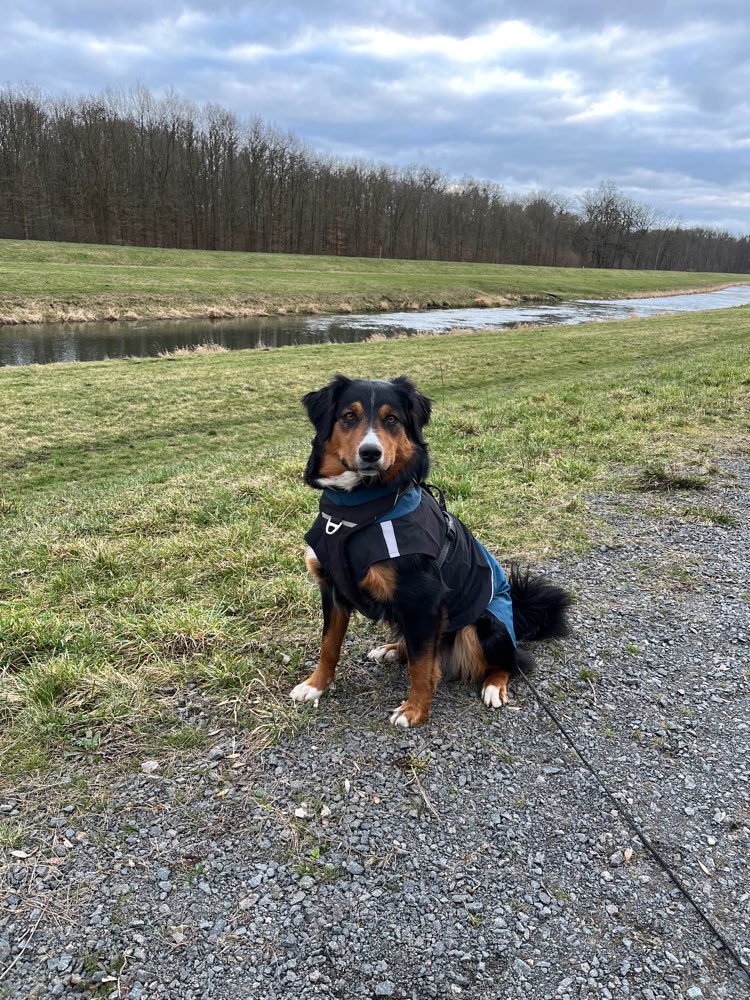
129 167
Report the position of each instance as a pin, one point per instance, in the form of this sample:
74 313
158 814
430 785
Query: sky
557 95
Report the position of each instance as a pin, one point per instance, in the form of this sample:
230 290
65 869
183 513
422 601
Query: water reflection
28 345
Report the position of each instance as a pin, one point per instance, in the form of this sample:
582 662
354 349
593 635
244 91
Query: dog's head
367 433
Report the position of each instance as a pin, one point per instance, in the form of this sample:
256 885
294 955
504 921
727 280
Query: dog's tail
539 607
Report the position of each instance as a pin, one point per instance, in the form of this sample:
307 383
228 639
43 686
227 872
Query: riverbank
58 282
59 343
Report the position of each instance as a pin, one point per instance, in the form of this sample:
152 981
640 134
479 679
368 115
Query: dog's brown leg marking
380 582
336 620
425 674
330 649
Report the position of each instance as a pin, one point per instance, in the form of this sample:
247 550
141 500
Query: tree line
135 169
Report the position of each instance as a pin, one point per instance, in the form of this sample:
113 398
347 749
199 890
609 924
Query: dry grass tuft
493 301
76 316
658 478
196 350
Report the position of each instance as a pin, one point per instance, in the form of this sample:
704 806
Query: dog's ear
321 405
418 407
321 409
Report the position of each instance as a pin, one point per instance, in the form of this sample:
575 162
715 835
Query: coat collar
367 506
362 495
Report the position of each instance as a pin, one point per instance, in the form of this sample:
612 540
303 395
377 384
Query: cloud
537 94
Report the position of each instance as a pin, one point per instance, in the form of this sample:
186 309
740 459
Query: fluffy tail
539 607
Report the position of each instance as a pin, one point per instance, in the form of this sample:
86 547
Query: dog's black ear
321 405
418 407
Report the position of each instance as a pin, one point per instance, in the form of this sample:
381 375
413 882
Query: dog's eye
349 417
391 420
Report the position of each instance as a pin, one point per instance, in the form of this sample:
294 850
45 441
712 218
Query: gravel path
473 858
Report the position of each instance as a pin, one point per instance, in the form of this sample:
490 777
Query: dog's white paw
383 654
493 696
306 692
410 714
399 719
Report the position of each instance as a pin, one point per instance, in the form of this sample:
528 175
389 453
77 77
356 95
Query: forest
131 168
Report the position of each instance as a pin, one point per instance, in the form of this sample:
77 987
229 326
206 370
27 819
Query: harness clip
333 526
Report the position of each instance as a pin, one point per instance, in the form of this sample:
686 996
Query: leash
624 814
630 821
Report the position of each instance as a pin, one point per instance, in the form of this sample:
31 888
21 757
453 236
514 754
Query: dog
384 545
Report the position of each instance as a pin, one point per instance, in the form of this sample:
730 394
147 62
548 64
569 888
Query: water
44 344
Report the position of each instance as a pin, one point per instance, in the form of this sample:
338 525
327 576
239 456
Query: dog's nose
370 453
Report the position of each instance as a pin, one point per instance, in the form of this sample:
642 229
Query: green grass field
42 282
152 512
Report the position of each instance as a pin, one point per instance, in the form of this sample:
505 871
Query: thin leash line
643 837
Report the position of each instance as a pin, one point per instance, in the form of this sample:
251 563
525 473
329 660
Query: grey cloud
663 88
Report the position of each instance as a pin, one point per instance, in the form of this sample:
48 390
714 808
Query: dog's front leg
421 620
335 623
424 673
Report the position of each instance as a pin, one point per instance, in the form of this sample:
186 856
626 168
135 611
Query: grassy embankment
47 282
151 511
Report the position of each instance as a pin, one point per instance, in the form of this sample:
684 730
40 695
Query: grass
41 282
656 477
11 837
720 518
152 513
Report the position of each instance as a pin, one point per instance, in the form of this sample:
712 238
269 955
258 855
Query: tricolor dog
384 546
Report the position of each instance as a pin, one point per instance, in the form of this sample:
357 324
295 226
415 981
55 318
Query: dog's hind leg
495 688
335 623
495 684
499 660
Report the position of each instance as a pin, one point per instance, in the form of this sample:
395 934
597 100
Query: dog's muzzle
369 455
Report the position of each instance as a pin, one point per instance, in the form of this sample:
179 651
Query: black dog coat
355 530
